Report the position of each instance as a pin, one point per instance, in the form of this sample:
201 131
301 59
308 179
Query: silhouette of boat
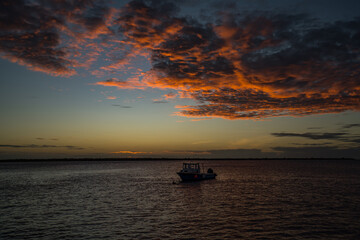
192 172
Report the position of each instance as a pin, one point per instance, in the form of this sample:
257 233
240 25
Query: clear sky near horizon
205 79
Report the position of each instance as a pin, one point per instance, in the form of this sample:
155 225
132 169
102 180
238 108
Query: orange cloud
132 83
130 152
170 95
250 68
238 67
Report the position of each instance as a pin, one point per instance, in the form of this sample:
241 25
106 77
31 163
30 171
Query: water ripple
137 200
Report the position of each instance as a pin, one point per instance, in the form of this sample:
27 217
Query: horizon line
165 159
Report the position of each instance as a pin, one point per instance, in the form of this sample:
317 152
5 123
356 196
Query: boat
192 172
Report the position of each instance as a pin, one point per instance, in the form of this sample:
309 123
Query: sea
249 199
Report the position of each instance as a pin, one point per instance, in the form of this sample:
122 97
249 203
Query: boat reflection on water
192 172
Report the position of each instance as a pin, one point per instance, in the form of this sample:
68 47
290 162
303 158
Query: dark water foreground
138 200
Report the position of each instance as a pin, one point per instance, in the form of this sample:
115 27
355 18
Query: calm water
138 200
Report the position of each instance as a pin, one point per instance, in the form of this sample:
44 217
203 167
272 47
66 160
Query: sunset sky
209 79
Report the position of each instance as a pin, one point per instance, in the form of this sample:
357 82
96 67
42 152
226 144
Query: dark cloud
250 66
344 137
318 152
141 23
312 144
121 106
354 140
28 35
40 146
314 136
94 16
52 139
160 101
72 147
31 32
351 125
325 53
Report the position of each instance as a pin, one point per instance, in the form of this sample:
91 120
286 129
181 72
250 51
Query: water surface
138 200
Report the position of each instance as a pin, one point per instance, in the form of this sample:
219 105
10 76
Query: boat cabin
192 172
191 168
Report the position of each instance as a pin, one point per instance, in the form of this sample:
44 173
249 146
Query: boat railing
191 167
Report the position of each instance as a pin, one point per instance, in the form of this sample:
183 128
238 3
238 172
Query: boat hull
190 177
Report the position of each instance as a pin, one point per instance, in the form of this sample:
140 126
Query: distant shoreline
160 159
